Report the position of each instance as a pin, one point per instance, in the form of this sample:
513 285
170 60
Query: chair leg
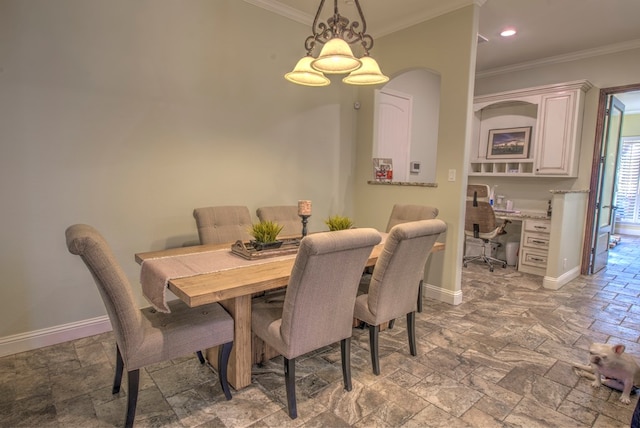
117 380
391 323
290 383
200 357
374 330
345 353
411 331
223 361
132 401
420 296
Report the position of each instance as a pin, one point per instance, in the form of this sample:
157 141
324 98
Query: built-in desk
551 246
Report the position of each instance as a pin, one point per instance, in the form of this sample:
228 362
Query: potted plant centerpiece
338 222
265 235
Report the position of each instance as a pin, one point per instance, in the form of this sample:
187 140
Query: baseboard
552 283
23 342
442 295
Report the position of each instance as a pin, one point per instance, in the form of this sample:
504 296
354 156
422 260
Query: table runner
156 273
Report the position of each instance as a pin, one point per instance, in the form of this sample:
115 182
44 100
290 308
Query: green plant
265 231
338 222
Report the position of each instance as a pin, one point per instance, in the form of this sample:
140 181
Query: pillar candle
304 207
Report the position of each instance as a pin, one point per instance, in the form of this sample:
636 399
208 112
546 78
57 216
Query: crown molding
283 10
557 59
429 13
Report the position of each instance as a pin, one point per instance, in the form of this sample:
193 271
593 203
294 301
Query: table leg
239 371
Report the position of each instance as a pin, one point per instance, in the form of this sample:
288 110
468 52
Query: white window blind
627 199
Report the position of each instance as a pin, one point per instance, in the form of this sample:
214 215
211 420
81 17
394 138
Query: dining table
232 284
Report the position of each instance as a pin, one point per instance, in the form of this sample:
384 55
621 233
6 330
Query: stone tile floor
501 358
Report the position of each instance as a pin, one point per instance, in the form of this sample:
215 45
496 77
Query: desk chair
146 336
223 224
392 292
403 214
318 306
285 215
480 222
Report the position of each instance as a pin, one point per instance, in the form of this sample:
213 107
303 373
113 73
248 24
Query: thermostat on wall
414 167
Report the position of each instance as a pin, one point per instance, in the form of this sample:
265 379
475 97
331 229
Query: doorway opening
601 205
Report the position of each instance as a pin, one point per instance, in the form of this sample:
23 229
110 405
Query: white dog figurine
612 367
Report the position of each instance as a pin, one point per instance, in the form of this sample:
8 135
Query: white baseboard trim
23 342
552 283
440 294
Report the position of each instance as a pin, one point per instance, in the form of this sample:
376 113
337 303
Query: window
627 198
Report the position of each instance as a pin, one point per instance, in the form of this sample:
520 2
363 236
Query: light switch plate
452 175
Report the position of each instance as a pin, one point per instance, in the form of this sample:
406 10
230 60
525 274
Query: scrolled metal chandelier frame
336 57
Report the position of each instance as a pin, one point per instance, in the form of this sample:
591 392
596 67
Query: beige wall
631 125
422 46
127 115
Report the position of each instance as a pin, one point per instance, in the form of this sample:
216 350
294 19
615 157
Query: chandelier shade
337 37
304 74
368 74
336 57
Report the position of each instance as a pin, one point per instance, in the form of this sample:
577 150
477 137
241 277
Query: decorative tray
248 251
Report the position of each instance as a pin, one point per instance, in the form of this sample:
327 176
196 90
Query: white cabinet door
556 139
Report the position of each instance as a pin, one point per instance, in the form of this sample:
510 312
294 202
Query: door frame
593 183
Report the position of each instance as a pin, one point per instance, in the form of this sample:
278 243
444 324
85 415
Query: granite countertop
561 192
523 215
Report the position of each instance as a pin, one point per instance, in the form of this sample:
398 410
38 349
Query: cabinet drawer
536 240
540 226
533 258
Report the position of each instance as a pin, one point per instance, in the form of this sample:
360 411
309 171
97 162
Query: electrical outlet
452 175
564 263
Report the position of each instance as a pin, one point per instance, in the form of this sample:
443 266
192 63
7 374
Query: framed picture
382 169
509 143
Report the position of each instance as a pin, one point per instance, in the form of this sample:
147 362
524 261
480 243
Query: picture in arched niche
406 125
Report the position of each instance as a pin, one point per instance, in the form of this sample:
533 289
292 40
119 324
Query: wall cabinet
554 115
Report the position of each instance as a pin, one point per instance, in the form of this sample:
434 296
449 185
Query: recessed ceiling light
508 32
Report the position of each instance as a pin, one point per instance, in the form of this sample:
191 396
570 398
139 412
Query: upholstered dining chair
392 292
146 336
480 223
285 215
222 224
318 306
403 213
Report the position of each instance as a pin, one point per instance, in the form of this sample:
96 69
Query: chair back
479 218
285 215
393 290
319 301
402 213
480 191
223 224
113 285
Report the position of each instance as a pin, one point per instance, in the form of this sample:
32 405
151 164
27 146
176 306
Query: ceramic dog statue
609 365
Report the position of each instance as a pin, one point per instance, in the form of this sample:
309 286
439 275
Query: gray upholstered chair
222 224
392 292
285 215
480 223
403 213
318 306
145 336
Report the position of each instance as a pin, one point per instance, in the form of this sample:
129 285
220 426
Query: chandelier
337 35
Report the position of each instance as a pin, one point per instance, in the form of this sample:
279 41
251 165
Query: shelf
504 168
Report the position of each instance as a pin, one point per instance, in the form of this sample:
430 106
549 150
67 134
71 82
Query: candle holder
305 219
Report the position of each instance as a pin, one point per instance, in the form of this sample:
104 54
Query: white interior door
392 131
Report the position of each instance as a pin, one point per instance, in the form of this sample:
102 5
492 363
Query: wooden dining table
233 289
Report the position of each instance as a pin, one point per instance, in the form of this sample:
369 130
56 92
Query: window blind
627 199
